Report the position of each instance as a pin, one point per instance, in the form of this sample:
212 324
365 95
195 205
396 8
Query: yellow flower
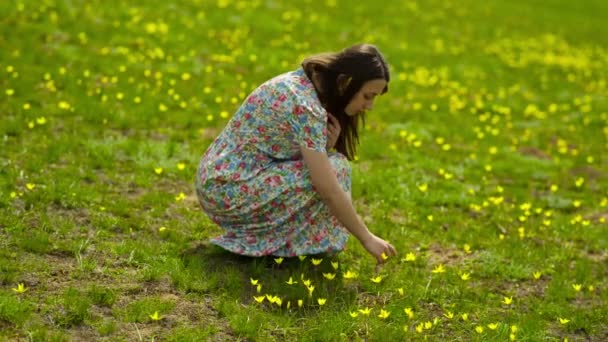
259 299
514 328
479 329
577 287
419 327
377 279
410 257
316 262
384 314
253 281
508 300
465 276
20 288
311 288
409 312
162 229
579 182
350 275
278 301
329 276
278 260
180 197
465 316
423 187
41 120
467 248
155 316
335 265
301 257
30 124
158 170
181 166
354 314
384 256
438 269
259 288
291 281
554 188
30 186
563 320
428 325
493 326
365 311
400 291
321 301
300 303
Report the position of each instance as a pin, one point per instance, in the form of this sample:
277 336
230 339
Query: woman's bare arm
326 183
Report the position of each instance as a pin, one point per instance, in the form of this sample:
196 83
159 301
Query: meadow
485 165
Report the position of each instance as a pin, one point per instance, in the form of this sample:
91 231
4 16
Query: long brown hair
341 75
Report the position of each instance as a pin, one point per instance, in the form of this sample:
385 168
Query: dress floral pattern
252 180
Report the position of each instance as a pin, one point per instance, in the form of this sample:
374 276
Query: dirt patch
599 256
534 152
587 171
448 256
525 288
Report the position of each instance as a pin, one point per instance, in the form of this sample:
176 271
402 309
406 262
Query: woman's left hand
333 131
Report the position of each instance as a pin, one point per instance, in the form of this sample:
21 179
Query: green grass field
485 165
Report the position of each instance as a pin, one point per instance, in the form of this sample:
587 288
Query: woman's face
364 99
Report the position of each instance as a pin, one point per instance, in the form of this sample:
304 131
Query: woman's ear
343 82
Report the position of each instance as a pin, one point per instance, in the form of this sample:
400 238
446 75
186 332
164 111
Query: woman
269 179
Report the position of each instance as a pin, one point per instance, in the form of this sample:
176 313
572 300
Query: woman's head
348 82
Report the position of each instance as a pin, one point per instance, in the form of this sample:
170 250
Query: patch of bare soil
448 256
534 152
186 312
587 171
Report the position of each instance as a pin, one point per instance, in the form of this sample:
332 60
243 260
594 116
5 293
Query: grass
485 165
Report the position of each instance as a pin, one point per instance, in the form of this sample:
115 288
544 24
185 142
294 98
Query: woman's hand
333 131
376 247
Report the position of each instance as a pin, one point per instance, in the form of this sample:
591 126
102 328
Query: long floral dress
253 182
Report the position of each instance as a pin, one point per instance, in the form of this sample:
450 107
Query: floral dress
253 182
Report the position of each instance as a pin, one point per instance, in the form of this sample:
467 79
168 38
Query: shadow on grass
291 279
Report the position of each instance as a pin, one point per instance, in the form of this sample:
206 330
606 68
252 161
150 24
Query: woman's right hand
376 246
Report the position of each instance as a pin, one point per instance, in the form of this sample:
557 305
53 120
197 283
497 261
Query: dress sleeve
309 123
